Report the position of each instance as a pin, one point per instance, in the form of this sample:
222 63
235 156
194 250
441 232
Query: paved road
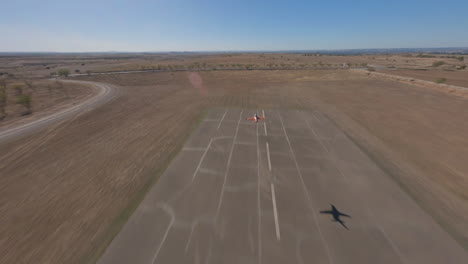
252 193
106 92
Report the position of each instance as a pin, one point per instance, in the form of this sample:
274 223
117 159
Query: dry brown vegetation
66 191
22 100
47 65
459 78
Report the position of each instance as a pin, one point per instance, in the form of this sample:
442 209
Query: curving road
105 94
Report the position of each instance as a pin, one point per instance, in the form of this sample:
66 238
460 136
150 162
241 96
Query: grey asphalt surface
105 93
241 192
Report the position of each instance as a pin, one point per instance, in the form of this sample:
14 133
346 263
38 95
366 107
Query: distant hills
457 50
342 52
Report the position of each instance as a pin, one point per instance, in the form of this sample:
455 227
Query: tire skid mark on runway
327 249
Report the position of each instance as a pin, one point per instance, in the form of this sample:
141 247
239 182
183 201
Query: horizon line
248 51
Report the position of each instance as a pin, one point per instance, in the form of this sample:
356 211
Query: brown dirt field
46 97
45 65
66 191
458 78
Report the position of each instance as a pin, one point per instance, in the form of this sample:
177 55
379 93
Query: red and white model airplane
256 118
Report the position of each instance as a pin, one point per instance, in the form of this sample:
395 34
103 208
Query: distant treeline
341 52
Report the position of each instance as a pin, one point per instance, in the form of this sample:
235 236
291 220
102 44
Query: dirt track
68 189
104 93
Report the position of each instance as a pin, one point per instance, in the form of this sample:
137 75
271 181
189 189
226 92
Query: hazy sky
209 25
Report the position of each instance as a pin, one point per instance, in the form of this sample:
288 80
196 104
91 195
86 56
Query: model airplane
255 118
336 215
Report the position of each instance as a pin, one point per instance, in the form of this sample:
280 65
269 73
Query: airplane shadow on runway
336 215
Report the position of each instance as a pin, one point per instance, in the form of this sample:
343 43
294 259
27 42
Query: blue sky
208 25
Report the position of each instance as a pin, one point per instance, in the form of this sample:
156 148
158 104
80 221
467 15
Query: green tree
63 72
26 101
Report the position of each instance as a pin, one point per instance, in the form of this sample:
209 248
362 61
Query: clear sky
217 25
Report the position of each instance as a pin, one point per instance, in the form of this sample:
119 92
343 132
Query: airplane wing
261 117
251 118
345 215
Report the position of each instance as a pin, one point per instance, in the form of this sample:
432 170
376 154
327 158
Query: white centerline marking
259 206
268 156
275 212
264 123
225 112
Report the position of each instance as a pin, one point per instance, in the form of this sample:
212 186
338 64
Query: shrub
370 68
25 100
437 63
441 80
63 72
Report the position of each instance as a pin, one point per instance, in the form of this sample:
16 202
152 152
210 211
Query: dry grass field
66 191
458 78
45 97
43 65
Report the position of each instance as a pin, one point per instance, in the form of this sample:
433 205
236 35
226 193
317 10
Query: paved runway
241 192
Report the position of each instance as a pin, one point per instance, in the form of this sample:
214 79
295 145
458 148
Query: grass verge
122 218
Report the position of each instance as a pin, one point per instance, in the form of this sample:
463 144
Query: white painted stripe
275 211
268 156
201 160
225 112
264 123
167 209
259 206
227 167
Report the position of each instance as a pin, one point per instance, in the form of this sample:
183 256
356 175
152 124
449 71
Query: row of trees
66 72
249 66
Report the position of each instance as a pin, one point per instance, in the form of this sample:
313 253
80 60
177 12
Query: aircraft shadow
336 214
